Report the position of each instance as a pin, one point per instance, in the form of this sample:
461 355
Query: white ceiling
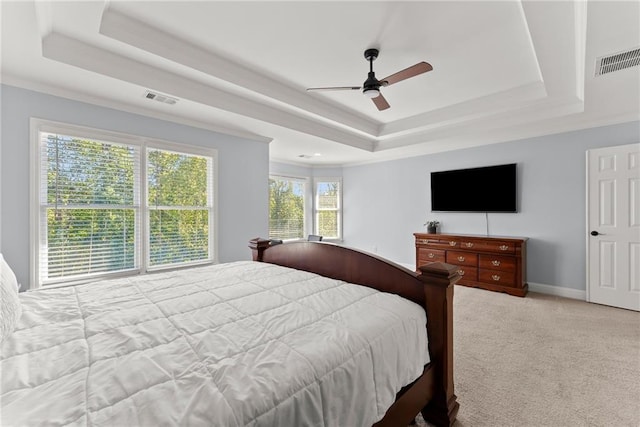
502 70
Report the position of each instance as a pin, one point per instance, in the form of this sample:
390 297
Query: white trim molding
559 291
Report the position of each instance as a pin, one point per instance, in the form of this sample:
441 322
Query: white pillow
10 308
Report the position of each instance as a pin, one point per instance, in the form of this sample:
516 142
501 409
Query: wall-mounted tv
485 189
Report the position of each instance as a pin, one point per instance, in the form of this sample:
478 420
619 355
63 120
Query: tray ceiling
502 70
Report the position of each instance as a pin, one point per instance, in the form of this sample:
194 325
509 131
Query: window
99 214
179 207
287 199
328 213
294 206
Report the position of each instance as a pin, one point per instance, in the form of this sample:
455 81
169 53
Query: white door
613 220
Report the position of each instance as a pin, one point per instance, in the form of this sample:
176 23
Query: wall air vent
165 99
618 61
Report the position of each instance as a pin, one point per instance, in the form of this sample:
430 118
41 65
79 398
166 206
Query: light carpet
544 361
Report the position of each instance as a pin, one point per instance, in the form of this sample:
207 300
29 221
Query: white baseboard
558 291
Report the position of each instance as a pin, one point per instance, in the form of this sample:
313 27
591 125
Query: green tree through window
286 208
89 207
178 200
93 206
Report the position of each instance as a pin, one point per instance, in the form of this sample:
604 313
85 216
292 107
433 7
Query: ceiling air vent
618 61
165 99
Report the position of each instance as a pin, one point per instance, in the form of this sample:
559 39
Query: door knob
594 233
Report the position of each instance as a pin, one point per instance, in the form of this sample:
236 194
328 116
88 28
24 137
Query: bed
299 336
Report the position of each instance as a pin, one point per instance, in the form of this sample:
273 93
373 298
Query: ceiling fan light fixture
371 92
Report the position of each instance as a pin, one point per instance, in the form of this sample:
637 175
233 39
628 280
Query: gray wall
243 168
384 203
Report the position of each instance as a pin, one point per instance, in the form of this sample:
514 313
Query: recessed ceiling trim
483 107
552 29
580 22
44 17
71 51
139 34
557 107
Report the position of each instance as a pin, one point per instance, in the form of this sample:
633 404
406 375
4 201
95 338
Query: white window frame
316 181
38 125
308 202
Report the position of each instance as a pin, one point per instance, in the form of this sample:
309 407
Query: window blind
180 200
98 201
89 210
328 211
286 208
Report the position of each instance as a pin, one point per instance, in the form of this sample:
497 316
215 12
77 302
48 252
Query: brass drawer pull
495 262
504 247
452 243
461 272
469 244
431 255
461 258
495 277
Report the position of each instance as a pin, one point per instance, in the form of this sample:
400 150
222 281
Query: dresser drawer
497 262
496 277
469 244
441 243
462 258
495 246
427 241
468 274
427 255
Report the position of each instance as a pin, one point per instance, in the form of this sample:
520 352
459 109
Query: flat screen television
485 189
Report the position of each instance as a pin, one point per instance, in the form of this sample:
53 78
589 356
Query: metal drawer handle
495 262
431 255
504 247
469 244
495 277
461 258
461 272
452 243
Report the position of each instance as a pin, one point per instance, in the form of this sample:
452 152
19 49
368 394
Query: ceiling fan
371 86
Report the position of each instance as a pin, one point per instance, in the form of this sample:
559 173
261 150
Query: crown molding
74 95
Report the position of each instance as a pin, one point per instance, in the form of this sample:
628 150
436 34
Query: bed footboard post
258 246
439 279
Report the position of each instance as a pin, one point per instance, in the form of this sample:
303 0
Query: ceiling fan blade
335 88
414 70
381 102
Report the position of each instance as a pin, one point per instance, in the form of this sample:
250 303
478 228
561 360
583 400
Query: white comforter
227 345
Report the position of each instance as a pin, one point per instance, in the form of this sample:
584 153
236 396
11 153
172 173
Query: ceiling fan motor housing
371 84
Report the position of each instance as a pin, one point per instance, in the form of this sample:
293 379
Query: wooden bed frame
432 393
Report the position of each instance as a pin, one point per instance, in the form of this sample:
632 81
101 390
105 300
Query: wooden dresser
492 263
